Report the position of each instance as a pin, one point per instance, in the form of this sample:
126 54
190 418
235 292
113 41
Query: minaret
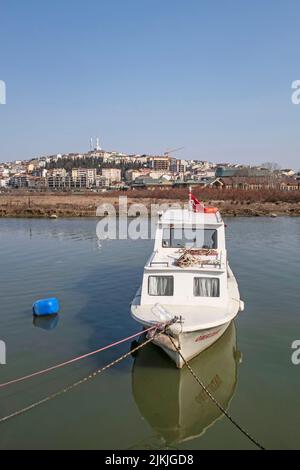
98 144
91 144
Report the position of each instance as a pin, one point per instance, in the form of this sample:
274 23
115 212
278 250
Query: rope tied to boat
199 251
76 359
192 257
159 328
214 400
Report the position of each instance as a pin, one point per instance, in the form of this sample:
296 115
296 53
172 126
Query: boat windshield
189 238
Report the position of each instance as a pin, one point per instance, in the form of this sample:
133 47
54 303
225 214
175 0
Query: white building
112 174
88 173
4 182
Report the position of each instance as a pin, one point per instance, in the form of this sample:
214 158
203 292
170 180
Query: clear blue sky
148 75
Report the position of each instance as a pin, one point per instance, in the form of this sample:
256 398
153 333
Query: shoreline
43 205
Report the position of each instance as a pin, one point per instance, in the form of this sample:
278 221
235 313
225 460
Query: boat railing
159 263
201 263
152 261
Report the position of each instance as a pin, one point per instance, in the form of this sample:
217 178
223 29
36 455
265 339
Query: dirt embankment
85 205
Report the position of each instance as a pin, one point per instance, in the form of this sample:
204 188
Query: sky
212 76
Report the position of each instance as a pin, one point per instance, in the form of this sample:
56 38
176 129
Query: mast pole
190 199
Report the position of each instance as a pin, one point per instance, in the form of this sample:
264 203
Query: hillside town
100 171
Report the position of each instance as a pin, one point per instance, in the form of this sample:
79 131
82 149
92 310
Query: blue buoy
46 307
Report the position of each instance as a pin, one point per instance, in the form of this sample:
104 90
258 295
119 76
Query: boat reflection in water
171 400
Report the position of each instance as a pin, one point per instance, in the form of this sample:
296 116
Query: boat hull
190 343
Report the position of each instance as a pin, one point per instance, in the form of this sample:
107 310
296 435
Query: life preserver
211 210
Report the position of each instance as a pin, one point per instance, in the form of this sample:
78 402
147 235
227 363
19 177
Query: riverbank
86 204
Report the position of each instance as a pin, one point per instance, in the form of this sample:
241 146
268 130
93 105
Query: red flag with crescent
196 205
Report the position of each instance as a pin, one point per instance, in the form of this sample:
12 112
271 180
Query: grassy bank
85 204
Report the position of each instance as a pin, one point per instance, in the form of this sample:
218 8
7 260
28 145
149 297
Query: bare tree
272 166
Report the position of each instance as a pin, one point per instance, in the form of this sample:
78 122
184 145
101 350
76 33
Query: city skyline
118 153
215 79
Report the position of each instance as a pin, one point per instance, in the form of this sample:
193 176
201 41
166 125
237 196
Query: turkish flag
197 206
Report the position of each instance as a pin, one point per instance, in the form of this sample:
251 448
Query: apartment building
67 182
160 163
131 175
112 174
85 173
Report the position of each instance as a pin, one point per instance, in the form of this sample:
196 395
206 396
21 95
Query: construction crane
167 153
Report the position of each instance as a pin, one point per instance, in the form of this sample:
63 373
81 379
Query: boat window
161 285
190 238
206 287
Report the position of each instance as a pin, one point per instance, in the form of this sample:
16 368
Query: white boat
188 277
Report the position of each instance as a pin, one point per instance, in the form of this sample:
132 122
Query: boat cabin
189 263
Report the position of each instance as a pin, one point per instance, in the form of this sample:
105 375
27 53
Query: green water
145 402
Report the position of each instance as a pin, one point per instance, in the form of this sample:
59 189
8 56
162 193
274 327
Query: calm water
145 402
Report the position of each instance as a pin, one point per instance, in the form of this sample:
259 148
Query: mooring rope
221 408
76 359
158 330
79 382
